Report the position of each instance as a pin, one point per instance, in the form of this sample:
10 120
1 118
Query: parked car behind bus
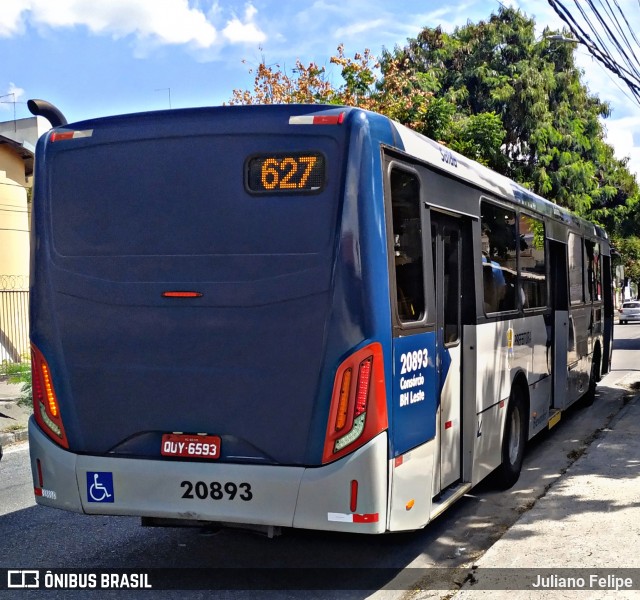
630 311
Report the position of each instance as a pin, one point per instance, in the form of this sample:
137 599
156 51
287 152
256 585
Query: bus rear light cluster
58 136
45 403
318 119
358 409
181 294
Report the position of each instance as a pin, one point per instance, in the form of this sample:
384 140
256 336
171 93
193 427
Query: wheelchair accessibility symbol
100 487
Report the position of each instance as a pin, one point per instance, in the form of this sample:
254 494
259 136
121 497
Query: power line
9 205
603 28
13 185
14 210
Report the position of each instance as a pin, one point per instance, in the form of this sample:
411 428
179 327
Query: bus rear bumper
317 498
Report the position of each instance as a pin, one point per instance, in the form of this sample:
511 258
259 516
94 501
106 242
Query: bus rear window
188 196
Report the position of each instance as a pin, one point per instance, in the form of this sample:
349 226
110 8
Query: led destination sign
280 173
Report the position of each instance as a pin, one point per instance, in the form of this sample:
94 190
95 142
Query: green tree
494 92
521 108
629 249
309 84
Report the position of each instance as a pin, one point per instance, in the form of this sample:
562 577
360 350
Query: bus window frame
460 307
585 276
546 307
498 314
427 322
587 300
519 310
581 237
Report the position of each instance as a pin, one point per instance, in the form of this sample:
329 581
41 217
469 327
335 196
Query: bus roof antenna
47 110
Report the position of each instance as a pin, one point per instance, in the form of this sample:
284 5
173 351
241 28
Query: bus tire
513 440
589 398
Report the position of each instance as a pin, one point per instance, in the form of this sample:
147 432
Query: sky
97 58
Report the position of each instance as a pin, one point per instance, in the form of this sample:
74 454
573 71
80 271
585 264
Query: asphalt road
34 537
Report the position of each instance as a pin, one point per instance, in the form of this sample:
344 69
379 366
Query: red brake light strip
181 294
58 136
317 119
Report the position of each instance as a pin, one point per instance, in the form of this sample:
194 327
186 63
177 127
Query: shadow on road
46 538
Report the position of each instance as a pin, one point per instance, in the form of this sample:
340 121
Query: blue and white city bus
295 316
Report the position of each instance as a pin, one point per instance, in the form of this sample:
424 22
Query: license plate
190 446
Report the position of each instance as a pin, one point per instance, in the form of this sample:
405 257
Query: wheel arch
597 358
520 384
512 455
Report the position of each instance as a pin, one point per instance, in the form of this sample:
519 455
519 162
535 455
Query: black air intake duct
45 109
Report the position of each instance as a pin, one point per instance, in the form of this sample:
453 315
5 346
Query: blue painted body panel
291 284
415 393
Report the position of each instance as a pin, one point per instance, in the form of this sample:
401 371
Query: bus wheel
589 398
513 441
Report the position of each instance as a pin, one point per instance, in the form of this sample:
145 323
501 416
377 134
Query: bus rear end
195 355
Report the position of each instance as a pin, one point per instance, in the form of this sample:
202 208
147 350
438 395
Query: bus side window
407 247
499 257
490 286
594 275
576 283
451 288
532 262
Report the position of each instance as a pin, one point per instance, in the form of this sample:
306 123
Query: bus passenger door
561 326
447 254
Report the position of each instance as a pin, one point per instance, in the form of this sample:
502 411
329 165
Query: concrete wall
13 167
14 256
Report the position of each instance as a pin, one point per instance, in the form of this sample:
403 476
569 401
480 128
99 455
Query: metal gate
14 318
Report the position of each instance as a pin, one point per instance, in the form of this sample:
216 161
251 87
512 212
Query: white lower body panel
213 491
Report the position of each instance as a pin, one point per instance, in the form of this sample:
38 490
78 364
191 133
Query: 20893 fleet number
217 490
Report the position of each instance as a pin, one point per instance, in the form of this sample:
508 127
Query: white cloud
359 27
622 127
238 31
13 94
161 21
634 162
15 91
149 22
620 135
11 21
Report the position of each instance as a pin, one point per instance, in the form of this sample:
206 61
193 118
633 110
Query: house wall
14 256
12 165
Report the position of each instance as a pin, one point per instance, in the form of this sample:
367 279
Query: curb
600 436
13 437
631 399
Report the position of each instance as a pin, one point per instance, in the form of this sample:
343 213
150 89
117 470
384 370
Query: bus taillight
45 403
362 391
343 403
358 409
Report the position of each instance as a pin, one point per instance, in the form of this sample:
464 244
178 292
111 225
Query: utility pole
13 95
168 89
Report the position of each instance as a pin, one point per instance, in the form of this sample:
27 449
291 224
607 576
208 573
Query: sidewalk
589 519
13 418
